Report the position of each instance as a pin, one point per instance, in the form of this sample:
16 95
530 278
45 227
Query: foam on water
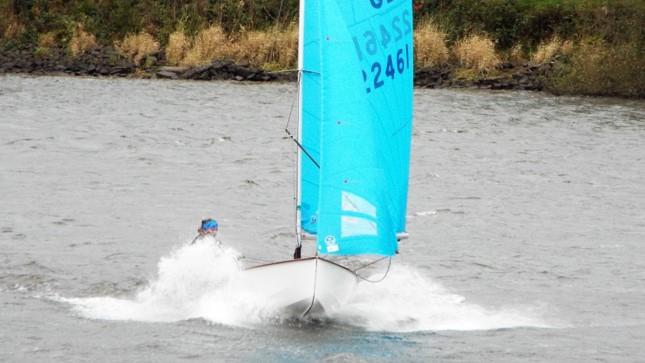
408 301
200 281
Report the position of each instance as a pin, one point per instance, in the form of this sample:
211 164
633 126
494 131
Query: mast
301 46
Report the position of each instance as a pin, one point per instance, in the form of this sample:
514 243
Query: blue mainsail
357 89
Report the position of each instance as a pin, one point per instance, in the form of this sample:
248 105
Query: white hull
308 286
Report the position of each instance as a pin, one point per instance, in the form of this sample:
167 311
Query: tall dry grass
178 45
47 40
81 41
209 44
137 46
547 50
596 67
430 45
276 48
516 54
12 28
476 52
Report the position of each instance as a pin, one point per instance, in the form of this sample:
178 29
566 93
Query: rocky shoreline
527 77
107 62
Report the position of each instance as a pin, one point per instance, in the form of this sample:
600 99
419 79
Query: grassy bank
597 46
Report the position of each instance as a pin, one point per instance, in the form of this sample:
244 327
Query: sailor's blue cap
209 224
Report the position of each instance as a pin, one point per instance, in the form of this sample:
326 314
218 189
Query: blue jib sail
357 122
310 116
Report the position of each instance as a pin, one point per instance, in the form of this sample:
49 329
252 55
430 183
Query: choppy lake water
526 216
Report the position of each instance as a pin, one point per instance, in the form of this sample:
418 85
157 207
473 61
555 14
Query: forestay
357 85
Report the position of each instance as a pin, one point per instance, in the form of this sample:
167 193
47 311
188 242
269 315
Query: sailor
209 227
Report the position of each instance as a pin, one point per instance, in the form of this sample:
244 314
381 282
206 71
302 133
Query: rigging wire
389 264
371 263
294 103
296 100
286 127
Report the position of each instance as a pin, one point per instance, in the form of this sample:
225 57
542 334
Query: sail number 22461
382 47
380 71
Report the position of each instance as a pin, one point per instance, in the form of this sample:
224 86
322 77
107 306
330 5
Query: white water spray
407 301
190 279
201 281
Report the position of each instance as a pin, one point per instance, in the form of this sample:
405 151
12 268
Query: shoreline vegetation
586 47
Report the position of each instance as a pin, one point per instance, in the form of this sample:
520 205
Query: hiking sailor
209 227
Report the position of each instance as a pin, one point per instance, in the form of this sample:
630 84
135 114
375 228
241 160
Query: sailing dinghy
353 143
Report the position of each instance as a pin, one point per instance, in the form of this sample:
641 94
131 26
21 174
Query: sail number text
387 69
377 4
370 42
384 49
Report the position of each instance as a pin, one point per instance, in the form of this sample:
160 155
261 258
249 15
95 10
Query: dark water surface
526 216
